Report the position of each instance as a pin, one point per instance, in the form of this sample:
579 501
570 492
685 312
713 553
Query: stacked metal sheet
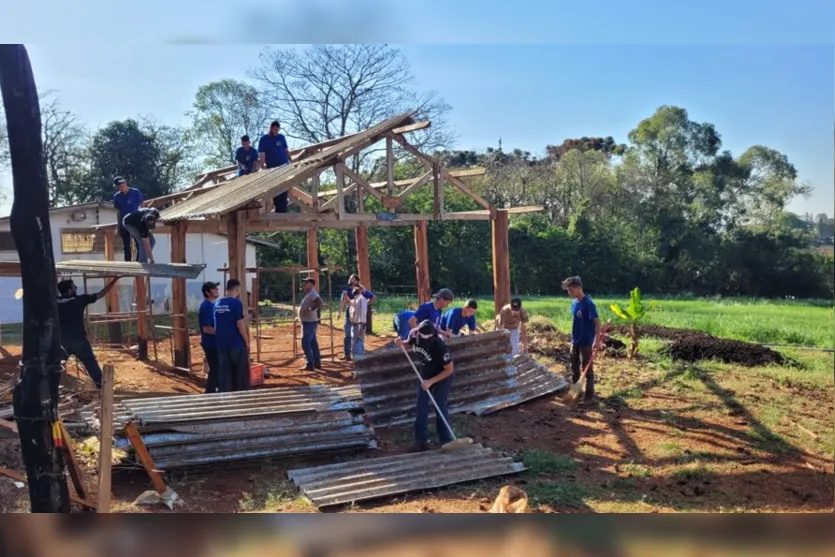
360 480
189 430
487 379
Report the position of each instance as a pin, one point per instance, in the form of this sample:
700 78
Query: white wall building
73 238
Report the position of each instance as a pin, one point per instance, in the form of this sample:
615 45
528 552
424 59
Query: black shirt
71 316
432 355
135 220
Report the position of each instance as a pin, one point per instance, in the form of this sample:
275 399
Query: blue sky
781 96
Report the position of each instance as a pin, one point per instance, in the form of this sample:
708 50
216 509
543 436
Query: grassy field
793 322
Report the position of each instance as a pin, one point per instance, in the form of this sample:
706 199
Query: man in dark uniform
206 320
247 157
126 200
139 224
71 306
274 152
434 362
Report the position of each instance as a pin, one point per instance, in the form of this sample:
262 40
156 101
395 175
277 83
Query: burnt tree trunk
36 393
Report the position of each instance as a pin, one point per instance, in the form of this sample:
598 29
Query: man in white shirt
358 314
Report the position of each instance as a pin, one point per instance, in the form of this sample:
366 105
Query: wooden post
424 291
314 192
144 457
501 260
179 306
364 266
438 188
112 300
313 254
106 441
141 288
339 169
236 244
390 166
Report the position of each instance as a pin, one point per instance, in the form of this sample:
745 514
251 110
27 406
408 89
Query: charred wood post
36 394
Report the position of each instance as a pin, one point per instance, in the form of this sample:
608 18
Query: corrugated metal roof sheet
487 379
241 191
347 482
114 268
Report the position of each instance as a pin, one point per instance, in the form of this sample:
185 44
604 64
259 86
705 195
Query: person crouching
434 363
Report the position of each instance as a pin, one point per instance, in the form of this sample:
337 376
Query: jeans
127 239
212 360
347 342
82 350
440 391
580 356
233 370
141 256
358 339
310 345
514 340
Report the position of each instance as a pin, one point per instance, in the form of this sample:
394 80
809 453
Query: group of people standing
224 337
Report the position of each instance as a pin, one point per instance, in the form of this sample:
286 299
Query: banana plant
634 312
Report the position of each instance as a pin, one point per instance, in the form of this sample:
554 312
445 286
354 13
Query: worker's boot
420 447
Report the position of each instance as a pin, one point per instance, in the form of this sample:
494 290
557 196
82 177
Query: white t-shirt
358 309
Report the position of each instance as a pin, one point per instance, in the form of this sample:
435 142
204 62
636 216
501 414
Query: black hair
64 286
472 304
244 138
232 284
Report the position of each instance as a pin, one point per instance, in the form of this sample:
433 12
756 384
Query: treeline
668 209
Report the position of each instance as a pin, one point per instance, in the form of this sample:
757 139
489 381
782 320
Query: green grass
545 462
559 494
795 322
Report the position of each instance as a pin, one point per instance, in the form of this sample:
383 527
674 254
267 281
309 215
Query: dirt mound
659 331
701 346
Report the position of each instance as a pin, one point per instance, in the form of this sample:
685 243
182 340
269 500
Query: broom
577 387
455 443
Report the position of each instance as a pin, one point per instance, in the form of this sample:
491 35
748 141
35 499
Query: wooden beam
314 193
412 127
438 187
144 457
362 183
300 195
389 167
141 290
236 248
411 189
76 475
501 261
424 290
458 173
313 253
179 303
364 264
112 299
106 440
299 217
340 189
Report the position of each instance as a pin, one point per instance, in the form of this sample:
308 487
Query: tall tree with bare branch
64 149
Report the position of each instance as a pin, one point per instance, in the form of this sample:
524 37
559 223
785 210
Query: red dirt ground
659 451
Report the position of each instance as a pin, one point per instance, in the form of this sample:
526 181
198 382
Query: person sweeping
436 371
585 334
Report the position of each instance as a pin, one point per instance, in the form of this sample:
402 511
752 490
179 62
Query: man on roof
139 224
247 157
274 152
126 200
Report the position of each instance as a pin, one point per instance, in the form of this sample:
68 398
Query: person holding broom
585 333
434 363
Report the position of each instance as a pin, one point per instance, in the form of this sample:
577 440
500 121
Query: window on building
81 240
6 241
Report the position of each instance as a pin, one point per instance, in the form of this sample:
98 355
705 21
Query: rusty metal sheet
239 192
487 379
361 480
114 268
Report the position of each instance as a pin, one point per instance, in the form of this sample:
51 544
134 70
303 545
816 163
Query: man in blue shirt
232 340
585 333
274 152
401 323
433 311
344 305
247 157
455 319
126 201
206 321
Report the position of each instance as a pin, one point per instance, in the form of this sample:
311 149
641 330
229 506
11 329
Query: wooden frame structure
219 202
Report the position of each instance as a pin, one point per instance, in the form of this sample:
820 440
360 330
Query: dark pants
233 370
280 202
212 360
580 356
310 344
440 391
347 342
127 240
84 352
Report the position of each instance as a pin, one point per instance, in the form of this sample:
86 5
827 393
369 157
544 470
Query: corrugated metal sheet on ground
114 268
256 437
487 379
239 192
162 412
360 480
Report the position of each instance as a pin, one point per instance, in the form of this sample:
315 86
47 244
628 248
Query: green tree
222 112
770 182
